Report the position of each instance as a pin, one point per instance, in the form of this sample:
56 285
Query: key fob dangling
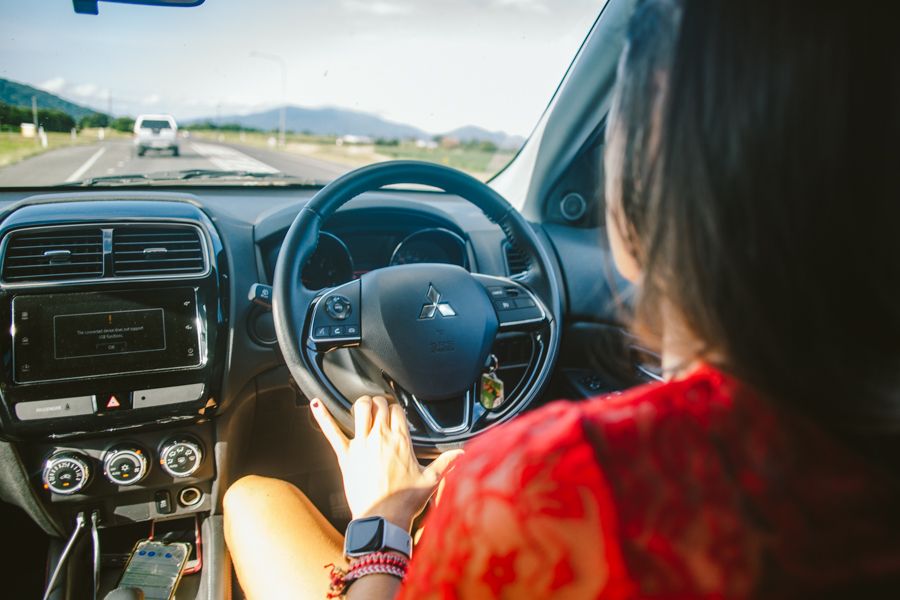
491 389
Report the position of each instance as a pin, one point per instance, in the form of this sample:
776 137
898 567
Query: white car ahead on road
155 132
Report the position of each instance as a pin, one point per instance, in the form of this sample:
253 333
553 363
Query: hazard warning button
113 401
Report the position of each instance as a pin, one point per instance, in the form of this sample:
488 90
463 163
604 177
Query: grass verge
474 161
14 147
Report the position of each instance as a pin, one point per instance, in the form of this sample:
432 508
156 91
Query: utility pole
34 111
282 118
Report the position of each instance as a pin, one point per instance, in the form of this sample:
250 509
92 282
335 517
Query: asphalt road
117 157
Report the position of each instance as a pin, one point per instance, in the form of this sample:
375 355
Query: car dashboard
139 378
129 338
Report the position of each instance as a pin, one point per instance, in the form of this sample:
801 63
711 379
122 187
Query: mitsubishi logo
435 305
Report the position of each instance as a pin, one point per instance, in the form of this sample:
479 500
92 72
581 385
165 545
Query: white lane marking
87 165
229 159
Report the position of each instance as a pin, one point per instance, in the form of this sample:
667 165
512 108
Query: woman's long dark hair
754 149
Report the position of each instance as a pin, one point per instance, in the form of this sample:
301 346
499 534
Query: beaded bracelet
383 563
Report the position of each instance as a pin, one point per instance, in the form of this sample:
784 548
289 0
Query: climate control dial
181 457
66 473
125 465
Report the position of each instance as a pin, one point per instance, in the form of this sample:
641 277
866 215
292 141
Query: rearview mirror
89 7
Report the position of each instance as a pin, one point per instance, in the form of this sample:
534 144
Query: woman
752 197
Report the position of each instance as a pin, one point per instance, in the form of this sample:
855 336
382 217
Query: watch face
364 536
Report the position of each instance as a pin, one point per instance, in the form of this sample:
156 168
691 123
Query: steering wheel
431 330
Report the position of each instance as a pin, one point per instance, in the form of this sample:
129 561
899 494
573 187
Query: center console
139 477
113 330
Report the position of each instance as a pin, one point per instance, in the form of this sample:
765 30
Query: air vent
516 260
54 255
160 250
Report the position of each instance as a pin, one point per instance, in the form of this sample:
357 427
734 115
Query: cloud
85 90
381 8
152 99
54 85
536 6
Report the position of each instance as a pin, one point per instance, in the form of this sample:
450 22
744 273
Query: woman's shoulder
526 512
529 510
704 397
600 477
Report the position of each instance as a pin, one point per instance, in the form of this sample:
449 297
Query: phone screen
155 568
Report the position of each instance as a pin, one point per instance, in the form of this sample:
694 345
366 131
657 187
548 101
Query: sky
435 64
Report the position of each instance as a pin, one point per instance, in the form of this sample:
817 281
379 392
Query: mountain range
318 121
322 121
341 121
20 94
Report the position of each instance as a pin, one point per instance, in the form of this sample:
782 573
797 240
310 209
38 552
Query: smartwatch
375 534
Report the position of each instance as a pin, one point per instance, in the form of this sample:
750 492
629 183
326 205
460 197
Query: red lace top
694 488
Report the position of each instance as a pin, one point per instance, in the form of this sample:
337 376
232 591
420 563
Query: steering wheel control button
175 394
335 319
52 409
505 304
66 473
181 457
336 333
125 465
499 292
525 303
516 306
338 307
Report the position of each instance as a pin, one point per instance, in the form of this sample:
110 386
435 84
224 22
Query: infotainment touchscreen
109 332
65 336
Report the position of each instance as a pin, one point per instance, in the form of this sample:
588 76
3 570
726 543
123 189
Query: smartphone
155 568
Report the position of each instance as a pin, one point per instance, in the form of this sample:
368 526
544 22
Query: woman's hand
381 473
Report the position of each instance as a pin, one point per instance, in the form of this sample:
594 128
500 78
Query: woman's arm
383 587
375 587
382 476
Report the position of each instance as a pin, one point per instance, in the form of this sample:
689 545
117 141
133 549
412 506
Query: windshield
275 89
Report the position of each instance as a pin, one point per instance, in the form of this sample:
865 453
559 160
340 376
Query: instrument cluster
343 256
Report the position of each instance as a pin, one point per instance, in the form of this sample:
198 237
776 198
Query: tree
122 124
11 116
94 120
55 120
50 120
